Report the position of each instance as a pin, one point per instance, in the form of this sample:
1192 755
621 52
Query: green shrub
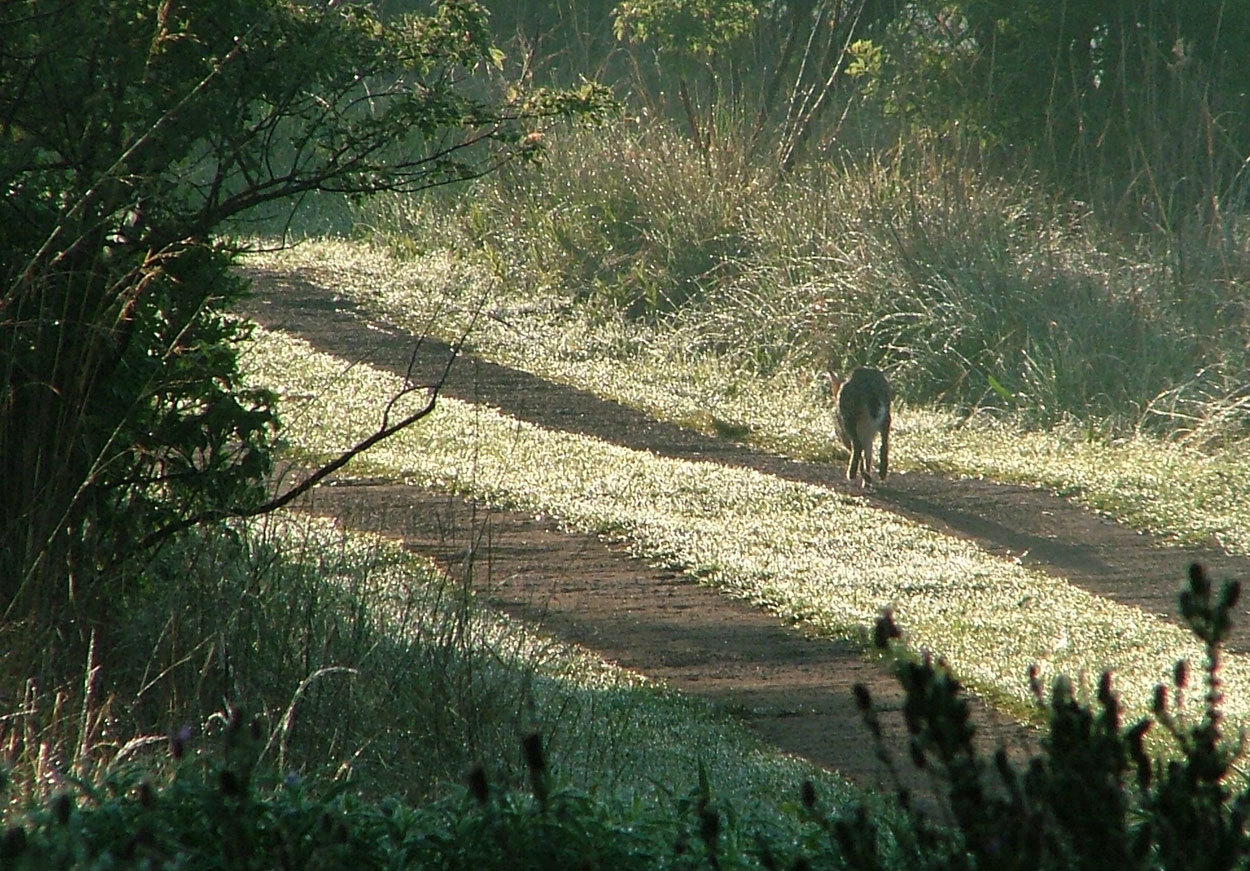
1092 798
126 148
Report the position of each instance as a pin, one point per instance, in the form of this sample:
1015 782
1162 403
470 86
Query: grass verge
364 667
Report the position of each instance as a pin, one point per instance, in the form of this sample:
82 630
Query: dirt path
794 691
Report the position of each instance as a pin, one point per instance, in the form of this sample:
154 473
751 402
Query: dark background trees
1138 105
1146 101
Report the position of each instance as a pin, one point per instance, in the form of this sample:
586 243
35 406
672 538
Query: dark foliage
1092 798
132 131
1141 104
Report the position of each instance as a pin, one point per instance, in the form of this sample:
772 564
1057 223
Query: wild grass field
1100 420
740 355
810 554
1060 301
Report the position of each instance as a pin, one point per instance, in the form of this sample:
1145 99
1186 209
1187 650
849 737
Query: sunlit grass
600 724
1186 494
812 555
1165 487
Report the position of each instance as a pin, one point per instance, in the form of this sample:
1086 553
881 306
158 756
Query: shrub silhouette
1092 798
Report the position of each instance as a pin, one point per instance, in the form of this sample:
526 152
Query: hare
863 411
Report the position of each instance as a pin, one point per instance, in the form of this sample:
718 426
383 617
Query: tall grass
361 666
972 289
356 665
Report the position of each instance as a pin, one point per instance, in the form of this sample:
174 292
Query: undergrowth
301 625
360 675
1091 797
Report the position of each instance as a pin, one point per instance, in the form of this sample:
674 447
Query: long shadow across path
795 691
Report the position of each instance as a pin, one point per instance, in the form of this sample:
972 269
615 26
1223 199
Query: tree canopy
132 131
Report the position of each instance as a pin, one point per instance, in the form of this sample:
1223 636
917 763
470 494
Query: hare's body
863 412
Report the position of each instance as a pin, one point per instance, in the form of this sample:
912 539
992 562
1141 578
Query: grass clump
219 809
300 625
639 201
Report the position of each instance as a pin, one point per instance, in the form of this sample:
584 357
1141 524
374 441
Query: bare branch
383 432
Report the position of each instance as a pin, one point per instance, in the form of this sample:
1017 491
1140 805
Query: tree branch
384 432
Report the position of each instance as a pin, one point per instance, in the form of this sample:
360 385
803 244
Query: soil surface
793 690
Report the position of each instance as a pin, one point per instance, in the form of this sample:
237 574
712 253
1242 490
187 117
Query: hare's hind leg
865 468
858 461
883 467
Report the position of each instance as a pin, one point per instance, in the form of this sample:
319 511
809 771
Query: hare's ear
835 383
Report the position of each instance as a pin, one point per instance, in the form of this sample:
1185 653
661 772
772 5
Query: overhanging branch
385 431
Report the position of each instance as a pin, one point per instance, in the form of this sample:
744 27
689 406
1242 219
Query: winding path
795 691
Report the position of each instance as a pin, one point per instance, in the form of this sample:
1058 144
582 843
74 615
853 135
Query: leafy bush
125 148
1092 798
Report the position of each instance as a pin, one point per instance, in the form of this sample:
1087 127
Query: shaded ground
794 691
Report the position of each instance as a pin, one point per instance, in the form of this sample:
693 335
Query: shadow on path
796 692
